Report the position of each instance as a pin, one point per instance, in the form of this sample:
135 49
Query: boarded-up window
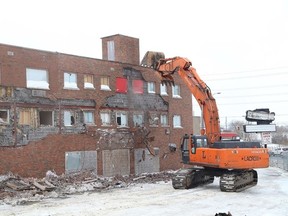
88 81
137 86
105 83
111 50
121 85
80 161
25 117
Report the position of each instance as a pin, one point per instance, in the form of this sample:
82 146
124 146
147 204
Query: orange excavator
209 156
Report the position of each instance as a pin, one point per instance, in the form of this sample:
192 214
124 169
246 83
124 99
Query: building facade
70 113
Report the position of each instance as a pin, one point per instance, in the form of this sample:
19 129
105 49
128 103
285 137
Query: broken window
25 117
176 91
111 50
105 83
36 78
4 116
70 81
88 117
138 120
151 87
69 118
105 118
46 118
164 120
153 119
88 81
177 121
121 119
121 85
137 86
163 89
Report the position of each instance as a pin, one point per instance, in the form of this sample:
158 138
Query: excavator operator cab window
198 142
202 142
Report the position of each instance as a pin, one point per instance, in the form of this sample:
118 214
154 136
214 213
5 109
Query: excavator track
190 178
236 181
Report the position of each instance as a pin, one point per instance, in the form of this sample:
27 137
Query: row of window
37 78
46 118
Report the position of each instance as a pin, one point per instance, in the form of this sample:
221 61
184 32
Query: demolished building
69 113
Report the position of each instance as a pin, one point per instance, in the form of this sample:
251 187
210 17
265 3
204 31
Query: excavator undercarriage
230 180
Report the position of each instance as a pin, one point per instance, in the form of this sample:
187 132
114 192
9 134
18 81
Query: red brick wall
37 158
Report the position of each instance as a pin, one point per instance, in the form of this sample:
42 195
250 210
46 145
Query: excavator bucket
151 59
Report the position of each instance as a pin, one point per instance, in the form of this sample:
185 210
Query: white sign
253 128
266 138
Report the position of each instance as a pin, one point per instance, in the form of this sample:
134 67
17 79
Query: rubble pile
15 190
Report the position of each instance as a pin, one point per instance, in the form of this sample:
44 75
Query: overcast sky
239 47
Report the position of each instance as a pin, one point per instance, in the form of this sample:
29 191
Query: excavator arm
167 67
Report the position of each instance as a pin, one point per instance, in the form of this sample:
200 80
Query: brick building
69 113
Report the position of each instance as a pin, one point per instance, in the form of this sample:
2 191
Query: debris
44 185
15 190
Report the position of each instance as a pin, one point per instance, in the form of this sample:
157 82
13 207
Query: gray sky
239 47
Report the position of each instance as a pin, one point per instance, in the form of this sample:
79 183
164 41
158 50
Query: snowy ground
269 197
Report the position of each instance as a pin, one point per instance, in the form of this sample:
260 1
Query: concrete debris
15 190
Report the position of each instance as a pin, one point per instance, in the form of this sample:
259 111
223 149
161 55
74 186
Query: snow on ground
269 197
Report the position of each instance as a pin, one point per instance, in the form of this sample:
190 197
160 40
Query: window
36 78
121 85
137 86
164 120
177 121
46 118
24 117
151 87
111 50
88 81
163 89
105 83
138 120
69 119
176 91
88 117
121 119
70 81
4 117
105 118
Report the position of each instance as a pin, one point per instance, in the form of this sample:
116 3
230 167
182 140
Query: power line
258 87
252 76
253 95
248 71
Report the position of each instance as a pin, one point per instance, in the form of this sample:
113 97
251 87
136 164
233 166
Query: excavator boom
167 67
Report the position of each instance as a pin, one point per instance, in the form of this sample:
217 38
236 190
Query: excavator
207 155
